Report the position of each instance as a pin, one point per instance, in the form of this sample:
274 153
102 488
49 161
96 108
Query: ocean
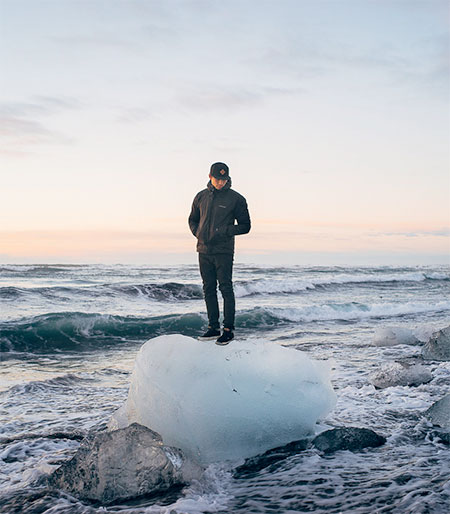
69 335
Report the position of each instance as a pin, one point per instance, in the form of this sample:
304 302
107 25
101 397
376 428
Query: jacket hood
224 188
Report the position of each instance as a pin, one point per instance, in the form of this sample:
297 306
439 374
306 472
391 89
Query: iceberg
390 336
225 403
393 374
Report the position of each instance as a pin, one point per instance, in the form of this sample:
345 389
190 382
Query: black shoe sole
223 343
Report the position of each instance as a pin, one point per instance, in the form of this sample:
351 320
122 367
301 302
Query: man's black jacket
212 218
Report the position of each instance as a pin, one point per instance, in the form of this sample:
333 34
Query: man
212 221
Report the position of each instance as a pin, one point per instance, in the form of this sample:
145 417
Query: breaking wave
172 291
37 269
356 311
161 292
269 286
55 383
78 331
167 291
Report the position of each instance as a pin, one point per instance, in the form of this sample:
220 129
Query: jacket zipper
208 215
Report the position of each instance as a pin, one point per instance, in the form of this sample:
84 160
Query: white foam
24 461
219 403
435 275
270 286
211 493
348 311
344 278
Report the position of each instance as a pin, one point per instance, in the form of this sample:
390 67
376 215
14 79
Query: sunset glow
332 116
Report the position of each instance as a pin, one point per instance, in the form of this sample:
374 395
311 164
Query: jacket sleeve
242 217
194 217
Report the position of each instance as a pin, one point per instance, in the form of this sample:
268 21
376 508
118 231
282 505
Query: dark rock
400 374
122 464
438 346
439 413
74 436
343 438
253 465
443 437
347 438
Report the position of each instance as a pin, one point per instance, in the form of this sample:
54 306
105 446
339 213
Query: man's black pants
218 268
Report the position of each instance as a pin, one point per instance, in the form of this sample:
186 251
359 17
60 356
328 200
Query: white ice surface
390 336
218 403
393 374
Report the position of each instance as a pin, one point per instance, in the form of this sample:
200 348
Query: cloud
201 98
14 126
20 133
424 62
218 98
21 123
441 232
40 105
101 41
437 72
137 115
306 60
158 31
229 97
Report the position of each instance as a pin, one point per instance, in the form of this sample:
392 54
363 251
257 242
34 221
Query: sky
333 117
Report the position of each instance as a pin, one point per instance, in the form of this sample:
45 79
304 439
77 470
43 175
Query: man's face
218 183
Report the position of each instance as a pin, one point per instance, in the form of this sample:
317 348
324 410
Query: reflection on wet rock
347 438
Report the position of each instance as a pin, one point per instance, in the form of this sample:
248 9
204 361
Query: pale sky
333 117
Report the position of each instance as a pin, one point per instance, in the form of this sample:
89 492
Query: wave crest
78 331
277 286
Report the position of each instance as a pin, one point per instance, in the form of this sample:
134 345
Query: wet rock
253 465
442 437
342 438
125 463
400 374
439 413
347 438
438 346
391 336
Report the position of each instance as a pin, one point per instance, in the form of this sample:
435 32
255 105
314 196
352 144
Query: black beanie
220 170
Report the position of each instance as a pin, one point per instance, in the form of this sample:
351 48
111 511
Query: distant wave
171 291
355 311
63 381
12 292
78 331
26 269
167 291
161 292
272 286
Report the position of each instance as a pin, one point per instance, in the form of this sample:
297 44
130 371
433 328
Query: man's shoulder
237 195
201 193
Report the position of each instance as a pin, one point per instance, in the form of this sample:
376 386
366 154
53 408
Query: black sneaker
210 334
225 338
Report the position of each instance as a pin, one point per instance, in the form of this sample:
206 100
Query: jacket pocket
220 234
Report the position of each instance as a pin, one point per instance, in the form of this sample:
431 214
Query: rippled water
69 335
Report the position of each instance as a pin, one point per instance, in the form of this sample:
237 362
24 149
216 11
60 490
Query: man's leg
224 266
209 277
